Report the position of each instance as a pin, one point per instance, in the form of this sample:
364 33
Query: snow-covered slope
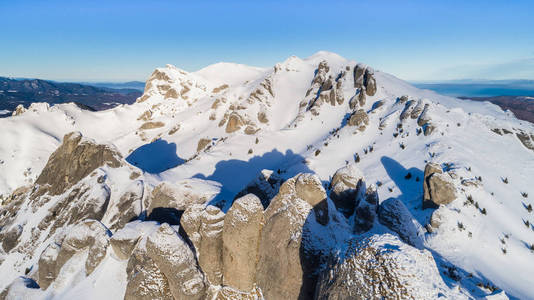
228 122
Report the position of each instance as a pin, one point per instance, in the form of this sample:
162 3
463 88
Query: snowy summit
318 178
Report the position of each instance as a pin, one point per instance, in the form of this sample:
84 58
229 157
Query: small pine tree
483 211
408 176
505 180
529 208
525 195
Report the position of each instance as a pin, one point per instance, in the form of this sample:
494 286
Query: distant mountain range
98 96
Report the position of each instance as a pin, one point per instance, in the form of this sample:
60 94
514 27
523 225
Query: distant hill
482 88
521 106
25 91
135 85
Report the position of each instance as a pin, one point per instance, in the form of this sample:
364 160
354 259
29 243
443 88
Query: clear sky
125 40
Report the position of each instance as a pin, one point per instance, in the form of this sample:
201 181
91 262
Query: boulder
265 186
361 96
344 188
75 158
19 110
241 238
365 212
437 187
393 214
177 262
402 99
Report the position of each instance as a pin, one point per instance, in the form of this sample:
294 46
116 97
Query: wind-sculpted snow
336 154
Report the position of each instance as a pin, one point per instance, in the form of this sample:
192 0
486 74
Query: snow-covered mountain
317 178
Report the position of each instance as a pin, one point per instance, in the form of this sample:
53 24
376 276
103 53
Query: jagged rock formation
73 160
283 272
366 211
368 270
359 119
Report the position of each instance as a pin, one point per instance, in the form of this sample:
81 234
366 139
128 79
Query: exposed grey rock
345 187
360 119
177 262
241 238
282 267
47 265
370 82
202 143
525 139
359 71
145 280
89 234
10 237
370 269
129 207
408 108
308 187
235 122
402 99
203 226
417 109
437 187
428 129
424 118
393 214
73 160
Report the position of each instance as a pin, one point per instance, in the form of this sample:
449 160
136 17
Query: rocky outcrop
202 143
129 206
424 117
89 235
418 108
177 262
10 237
88 199
526 140
73 160
203 226
359 119
145 280
265 186
437 187
285 266
19 110
309 188
366 211
364 77
344 189
393 214
407 111
235 122
370 269
241 238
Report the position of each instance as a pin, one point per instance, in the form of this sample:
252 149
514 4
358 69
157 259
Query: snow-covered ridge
206 136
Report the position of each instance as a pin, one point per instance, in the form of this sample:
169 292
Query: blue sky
125 40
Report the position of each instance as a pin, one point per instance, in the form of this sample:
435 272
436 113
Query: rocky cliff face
319 178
